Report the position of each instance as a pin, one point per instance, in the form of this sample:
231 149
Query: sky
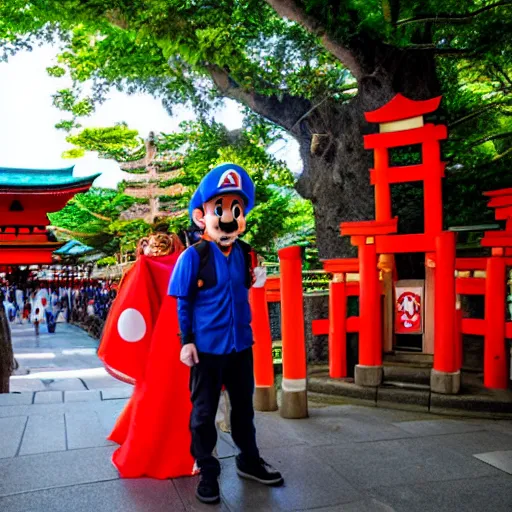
28 138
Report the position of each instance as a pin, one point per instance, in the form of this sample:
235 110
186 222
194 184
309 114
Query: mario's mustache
228 227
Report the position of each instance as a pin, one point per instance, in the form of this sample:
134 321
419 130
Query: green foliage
73 153
479 118
191 153
117 142
106 262
174 49
128 233
67 126
200 146
56 71
93 217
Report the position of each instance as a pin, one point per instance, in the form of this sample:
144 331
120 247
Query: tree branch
503 72
453 18
72 233
447 52
285 111
494 159
85 209
289 9
489 138
477 113
505 153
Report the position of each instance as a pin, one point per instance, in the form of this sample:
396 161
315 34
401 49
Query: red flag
129 327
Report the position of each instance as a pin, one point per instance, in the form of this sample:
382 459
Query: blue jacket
219 317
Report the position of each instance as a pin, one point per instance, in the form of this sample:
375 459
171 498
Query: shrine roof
400 108
498 193
44 179
73 248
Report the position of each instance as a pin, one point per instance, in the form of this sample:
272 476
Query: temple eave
29 244
53 189
400 108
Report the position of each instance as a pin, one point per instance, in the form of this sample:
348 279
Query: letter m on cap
230 179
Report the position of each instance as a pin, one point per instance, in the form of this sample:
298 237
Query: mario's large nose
228 227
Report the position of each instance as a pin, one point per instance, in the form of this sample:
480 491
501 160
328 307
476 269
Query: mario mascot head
221 202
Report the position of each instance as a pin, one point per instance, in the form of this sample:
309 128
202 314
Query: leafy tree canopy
297 62
190 153
93 218
116 142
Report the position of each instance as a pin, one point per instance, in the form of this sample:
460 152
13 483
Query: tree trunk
6 353
336 174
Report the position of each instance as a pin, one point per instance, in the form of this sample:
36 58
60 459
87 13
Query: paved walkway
54 458
63 361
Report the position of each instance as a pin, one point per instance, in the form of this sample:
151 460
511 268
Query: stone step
407 385
414 358
407 374
472 402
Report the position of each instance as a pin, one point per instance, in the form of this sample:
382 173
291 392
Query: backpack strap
247 251
206 276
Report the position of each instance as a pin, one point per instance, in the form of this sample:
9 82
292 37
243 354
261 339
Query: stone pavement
54 458
63 361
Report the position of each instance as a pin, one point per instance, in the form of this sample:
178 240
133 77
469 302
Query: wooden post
430 290
294 403
386 265
265 393
338 327
495 360
445 376
432 187
382 189
369 370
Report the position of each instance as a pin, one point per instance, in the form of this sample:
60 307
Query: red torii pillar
495 353
264 393
445 375
338 295
294 400
369 370
337 327
495 347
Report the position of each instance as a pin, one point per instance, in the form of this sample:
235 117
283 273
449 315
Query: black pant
235 372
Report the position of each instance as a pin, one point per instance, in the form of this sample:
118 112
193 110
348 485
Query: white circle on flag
131 325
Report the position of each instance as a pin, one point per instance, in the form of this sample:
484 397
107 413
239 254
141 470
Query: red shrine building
430 308
26 197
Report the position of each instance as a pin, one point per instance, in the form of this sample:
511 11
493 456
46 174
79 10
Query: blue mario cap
224 179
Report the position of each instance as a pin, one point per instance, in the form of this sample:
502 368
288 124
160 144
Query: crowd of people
47 303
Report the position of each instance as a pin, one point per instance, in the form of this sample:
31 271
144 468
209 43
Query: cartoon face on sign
408 312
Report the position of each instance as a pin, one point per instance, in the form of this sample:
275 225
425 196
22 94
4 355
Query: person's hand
260 277
189 355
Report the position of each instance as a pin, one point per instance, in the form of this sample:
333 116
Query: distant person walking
36 321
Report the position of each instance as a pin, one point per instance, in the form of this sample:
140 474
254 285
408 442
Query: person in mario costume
211 282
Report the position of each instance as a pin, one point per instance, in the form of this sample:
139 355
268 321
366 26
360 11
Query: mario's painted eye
218 210
237 211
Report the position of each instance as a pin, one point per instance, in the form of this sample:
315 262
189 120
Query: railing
472 280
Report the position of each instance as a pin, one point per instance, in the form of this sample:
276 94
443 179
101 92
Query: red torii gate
401 124
494 327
